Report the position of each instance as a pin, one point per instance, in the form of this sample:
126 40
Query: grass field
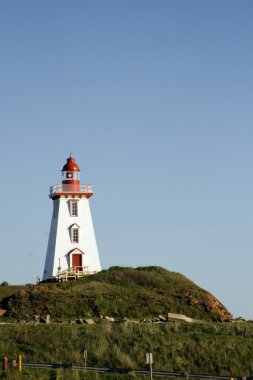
212 348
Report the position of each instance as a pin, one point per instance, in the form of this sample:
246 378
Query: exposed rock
217 307
79 321
146 321
127 320
109 319
173 317
106 319
209 302
239 319
119 320
89 321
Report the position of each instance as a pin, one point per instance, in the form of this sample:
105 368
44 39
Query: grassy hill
144 292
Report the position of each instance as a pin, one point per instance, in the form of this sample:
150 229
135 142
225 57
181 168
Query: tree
4 283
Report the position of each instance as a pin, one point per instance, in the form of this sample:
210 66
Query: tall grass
64 374
212 348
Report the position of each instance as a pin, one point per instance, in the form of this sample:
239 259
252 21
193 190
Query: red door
77 261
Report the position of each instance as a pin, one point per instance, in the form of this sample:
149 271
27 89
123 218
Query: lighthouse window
74 209
75 235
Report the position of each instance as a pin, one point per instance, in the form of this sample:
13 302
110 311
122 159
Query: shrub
4 283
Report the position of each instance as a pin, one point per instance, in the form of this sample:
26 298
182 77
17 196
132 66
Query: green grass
139 293
142 293
212 348
8 290
60 374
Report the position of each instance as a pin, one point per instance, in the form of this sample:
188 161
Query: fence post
5 363
20 363
85 355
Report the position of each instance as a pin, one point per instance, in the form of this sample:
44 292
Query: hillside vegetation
208 347
144 292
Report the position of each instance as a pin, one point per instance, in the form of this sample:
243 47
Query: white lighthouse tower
72 249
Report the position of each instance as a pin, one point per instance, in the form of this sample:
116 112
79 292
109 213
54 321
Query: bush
4 283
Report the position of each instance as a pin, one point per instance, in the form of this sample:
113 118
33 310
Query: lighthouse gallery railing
67 188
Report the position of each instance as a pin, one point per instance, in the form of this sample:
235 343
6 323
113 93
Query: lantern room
71 175
70 171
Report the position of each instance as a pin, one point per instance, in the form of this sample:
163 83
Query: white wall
59 243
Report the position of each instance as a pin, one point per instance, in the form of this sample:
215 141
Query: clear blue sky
154 99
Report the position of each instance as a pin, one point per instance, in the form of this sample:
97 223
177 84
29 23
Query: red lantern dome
71 165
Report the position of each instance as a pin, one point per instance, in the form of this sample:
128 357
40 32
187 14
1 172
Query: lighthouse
72 250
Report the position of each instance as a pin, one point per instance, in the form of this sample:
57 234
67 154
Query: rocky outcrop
207 302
